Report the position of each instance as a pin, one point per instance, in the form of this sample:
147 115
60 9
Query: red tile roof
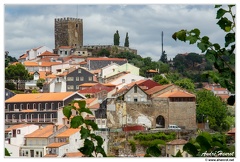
157 89
176 94
44 132
56 144
95 89
74 154
16 127
68 132
23 56
39 97
47 53
152 71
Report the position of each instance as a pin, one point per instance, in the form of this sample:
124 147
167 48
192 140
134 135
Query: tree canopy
116 39
213 109
126 43
223 58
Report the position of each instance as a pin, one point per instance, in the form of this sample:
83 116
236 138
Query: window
79 70
76 25
18 131
81 78
177 147
89 78
69 78
34 106
70 87
65 52
77 78
135 99
135 89
60 52
123 80
168 147
77 87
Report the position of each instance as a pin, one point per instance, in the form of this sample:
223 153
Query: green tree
186 84
103 52
163 57
213 109
173 77
18 73
194 58
161 80
213 144
126 43
7 152
180 63
40 82
116 39
223 58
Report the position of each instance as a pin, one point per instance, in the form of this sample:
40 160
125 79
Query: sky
29 26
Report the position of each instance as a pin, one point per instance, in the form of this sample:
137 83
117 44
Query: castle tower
68 32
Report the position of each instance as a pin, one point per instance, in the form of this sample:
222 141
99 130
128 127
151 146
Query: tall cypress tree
126 44
116 39
163 57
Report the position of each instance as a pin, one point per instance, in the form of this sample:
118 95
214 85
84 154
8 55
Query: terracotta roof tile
56 144
95 106
152 71
38 97
176 94
157 89
50 155
87 84
16 127
23 56
74 154
29 63
68 132
44 132
47 53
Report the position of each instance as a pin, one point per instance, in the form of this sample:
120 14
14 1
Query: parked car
174 127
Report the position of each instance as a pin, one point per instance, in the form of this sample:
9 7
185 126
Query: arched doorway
160 122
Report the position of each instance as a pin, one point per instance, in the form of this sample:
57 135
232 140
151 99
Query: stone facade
182 114
68 32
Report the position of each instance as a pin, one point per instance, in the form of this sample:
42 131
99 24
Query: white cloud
30 26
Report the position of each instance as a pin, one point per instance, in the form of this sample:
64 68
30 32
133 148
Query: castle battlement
67 19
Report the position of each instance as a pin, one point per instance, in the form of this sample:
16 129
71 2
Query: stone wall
182 114
68 32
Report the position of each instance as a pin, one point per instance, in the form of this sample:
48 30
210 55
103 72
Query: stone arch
160 122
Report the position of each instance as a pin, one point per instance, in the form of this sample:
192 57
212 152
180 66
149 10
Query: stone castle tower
68 32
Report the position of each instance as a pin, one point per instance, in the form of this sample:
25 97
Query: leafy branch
92 142
223 58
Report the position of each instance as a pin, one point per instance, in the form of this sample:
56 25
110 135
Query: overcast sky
30 26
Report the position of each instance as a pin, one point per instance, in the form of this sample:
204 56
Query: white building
126 79
14 137
34 52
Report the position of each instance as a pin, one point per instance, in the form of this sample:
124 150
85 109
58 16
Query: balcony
33 120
